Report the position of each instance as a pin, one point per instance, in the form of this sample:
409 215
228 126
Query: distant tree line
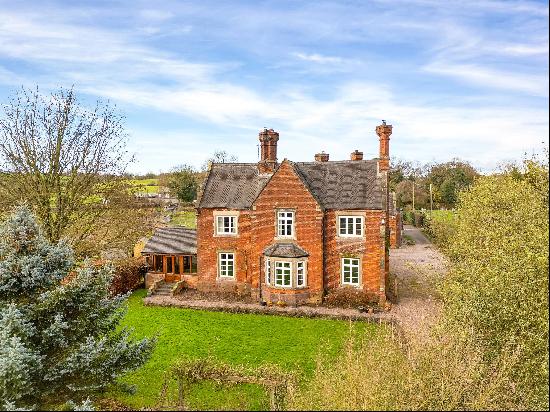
411 182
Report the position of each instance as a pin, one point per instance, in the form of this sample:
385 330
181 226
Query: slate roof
232 185
172 241
349 184
289 250
334 184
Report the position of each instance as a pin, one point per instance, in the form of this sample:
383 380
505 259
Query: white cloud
337 116
318 58
531 84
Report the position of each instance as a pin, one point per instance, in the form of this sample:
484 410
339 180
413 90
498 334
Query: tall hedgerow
497 289
59 334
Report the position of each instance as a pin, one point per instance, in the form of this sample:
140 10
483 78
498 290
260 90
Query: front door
169 271
172 272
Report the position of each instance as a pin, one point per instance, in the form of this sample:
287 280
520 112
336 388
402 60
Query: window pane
176 264
168 264
158 263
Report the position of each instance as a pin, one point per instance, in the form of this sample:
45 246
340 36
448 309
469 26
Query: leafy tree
66 161
182 183
449 179
59 327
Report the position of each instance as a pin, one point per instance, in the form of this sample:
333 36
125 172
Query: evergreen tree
60 338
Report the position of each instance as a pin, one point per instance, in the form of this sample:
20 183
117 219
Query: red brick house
293 231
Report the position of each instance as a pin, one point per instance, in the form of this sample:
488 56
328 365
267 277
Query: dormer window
350 226
285 223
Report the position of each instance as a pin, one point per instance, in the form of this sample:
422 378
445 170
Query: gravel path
418 268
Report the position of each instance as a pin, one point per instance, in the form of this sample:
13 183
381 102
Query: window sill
349 285
226 235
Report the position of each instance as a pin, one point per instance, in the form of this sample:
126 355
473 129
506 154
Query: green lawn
247 339
185 218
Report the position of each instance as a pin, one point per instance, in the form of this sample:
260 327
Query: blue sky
464 79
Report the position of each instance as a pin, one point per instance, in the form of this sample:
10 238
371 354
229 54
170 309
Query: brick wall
369 248
209 245
395 230
286 190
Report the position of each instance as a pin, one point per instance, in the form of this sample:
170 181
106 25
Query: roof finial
383 122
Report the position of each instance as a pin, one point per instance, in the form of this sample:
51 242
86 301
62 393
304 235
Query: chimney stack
321 157
384 131
356 155
268 150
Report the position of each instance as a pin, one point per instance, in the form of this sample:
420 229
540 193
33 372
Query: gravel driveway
418 268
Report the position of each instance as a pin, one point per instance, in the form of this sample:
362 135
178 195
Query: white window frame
282 223
221 229
349 266
303 273
268 271
281 264
223 267
355 219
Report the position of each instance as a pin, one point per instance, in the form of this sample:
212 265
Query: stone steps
164 289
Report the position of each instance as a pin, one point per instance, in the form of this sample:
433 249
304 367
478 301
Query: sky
466 79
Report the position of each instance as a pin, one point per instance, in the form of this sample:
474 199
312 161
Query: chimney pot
384 131
268 150
356 155
321 157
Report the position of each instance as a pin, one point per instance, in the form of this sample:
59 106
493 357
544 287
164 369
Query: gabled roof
172 241
232 185
349 184
334 184
289 250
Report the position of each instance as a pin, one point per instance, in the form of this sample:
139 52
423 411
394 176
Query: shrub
350 297
129 275
440 226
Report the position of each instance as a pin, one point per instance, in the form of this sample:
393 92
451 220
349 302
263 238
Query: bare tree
64 160
219 156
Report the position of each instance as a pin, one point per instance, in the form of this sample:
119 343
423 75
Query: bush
440 226
350 297
498 284
129 275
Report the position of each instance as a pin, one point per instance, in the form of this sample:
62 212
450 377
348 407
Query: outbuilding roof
334 184
172 241
288 250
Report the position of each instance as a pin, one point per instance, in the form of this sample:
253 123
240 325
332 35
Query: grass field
185 218
247 339
146 185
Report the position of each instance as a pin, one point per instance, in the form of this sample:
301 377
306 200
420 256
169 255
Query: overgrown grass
184 218
246 339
